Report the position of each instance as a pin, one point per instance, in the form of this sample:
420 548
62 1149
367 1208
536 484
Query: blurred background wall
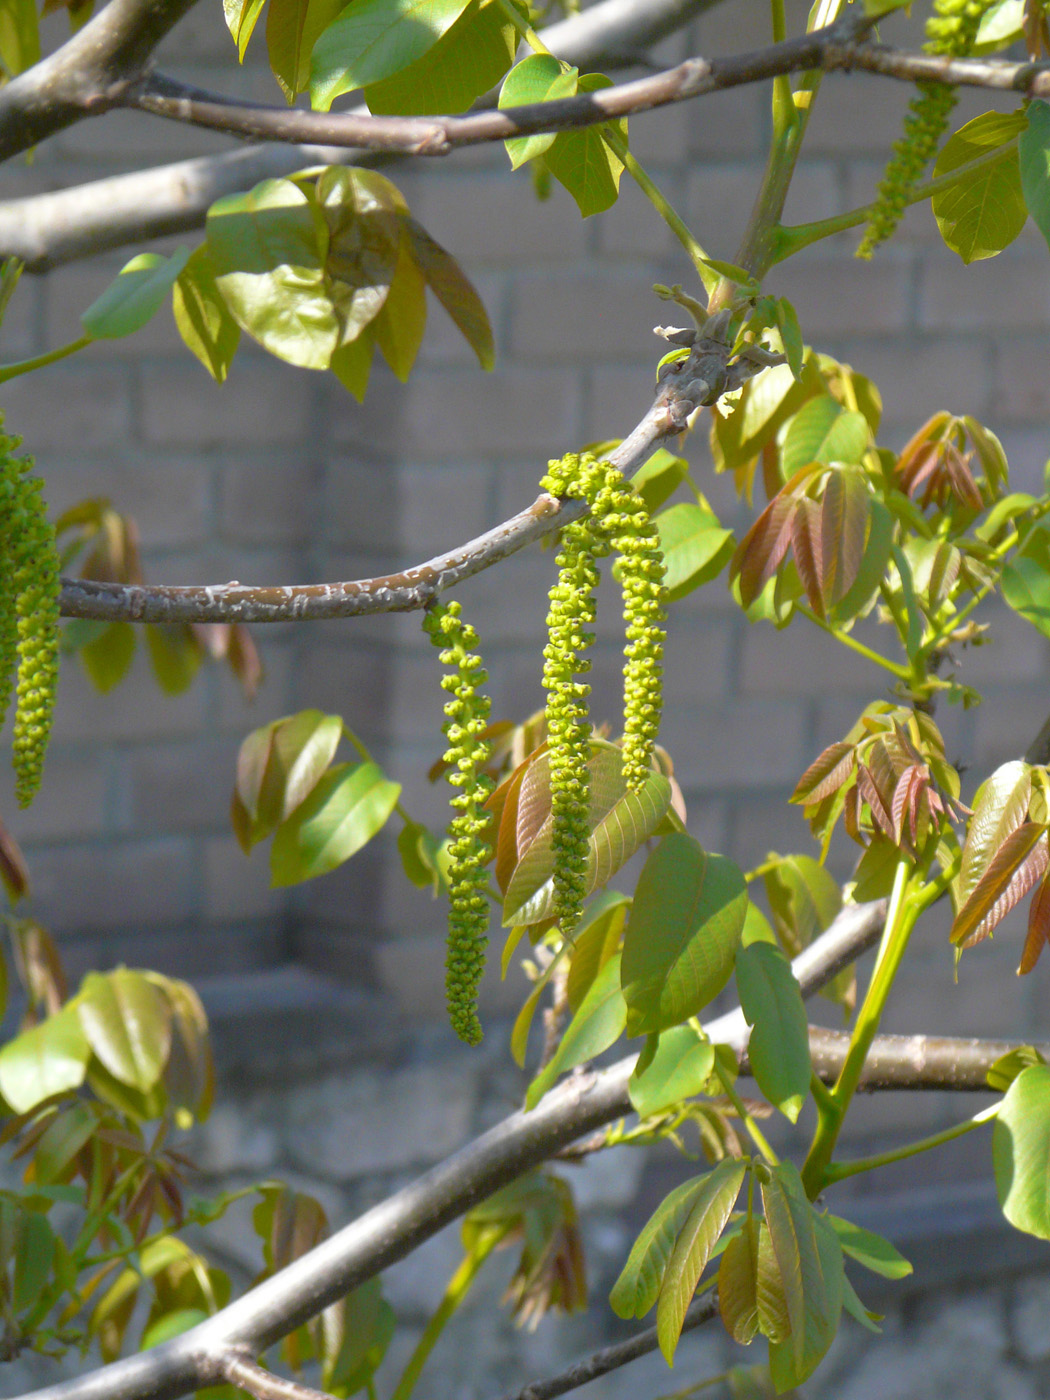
279 476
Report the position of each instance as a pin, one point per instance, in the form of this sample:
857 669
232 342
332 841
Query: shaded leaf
778 1048
1025 579
638 1286
692 1249
107 655
1038 928
738 1283
292 29
447 281
598 1022
680 1068
202 317
1034 156
683 930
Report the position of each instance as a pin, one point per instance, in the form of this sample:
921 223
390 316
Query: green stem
784 114
894 668
641 177
362 749
792 238
900 617
458 1287
754 1131
40 361
839 1171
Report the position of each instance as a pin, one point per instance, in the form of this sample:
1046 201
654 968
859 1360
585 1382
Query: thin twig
612 1358
679 395
244 1373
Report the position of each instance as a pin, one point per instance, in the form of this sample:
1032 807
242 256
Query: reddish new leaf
807 544
826 774
878 803
762 549
843 524
1019 863
1038 928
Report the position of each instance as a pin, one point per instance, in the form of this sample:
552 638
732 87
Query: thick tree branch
681 391
46 230
397 1226
913 1062
88 75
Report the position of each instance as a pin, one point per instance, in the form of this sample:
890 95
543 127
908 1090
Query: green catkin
29 599
467 713
951 30
618 521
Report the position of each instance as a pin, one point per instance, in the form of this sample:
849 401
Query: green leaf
599 1021
175 654
809 1261
108 655
766 402
47 1059
912 611
1021 1152
373 39
638 1286
823 431
1026 579
695 547
447 281
692 1249
873 564
399 327
621 821
803 897
538 78
584 162
36 1251
680 1068
292 29
738 1283
418 850
791 335
342 813
278 767
595 940
468 60
241 19
267 250
869 1249
686 920
779 1045
19 37
127 1021
982 214
63 1139
856 1309
1033 149
657 479
202 317
138 292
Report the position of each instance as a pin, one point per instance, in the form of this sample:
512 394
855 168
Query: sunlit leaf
584 161
869 1249
538 78
202 317
128 1025
1021 1152
695 547
983 213
50 1058
468 60
778 1049
373 39
680 1068
1016 867
1000 806
342 813
823 431
138 292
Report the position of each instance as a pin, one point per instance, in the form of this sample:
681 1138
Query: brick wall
279 476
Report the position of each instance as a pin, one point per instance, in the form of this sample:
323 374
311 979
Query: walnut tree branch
394 1228
682 390
46 230
88 75
913 1062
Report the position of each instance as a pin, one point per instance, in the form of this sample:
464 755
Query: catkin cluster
951 30
29 593
618 521
467 712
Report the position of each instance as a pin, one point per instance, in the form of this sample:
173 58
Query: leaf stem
754 1131
459 1286
40 361
792 238
894 667
839 1171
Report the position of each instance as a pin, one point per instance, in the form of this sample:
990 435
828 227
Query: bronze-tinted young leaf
738 1284
844 512
598 1022
14 873
760 552
1038 928
1000 806
826 774
807 545
596 939
809 1262
692 1249
1018 865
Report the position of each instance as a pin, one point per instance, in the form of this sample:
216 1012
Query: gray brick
261 402
140 883
79 405
464 415
562 318
237 886
742 744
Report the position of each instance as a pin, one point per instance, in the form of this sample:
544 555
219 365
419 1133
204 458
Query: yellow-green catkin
29 598
951 30
467 713
618 521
